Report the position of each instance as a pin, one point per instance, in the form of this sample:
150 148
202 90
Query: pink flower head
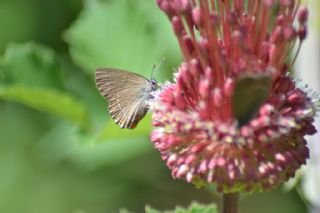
234 116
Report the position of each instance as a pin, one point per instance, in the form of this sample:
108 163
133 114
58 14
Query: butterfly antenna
156 67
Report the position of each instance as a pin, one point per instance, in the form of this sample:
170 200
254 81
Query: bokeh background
59 150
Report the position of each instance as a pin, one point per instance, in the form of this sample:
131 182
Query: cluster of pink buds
234 116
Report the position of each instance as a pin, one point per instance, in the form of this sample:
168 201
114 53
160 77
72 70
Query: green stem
230 202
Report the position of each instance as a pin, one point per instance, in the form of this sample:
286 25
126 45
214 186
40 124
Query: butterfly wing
126 93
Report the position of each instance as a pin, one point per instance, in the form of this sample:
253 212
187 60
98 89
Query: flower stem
230 202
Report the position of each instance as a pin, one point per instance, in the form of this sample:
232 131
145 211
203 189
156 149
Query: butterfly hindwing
126 93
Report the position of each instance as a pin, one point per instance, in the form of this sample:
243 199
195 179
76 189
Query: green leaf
32 75
130 35
193 208
112 130
47 100
90 154
20 20
124 211
31 64
112 146
83 150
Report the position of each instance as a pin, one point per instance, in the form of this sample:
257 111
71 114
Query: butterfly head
154 85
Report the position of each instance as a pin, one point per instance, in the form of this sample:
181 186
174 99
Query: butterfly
128 95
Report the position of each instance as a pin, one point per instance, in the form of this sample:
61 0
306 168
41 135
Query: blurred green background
59 150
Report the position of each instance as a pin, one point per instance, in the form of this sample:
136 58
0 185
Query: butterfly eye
153 84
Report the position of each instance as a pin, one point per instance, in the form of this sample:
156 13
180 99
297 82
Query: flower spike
234 116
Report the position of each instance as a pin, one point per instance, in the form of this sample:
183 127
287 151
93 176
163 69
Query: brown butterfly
128 95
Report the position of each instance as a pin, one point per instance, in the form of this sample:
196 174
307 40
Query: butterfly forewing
127 94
